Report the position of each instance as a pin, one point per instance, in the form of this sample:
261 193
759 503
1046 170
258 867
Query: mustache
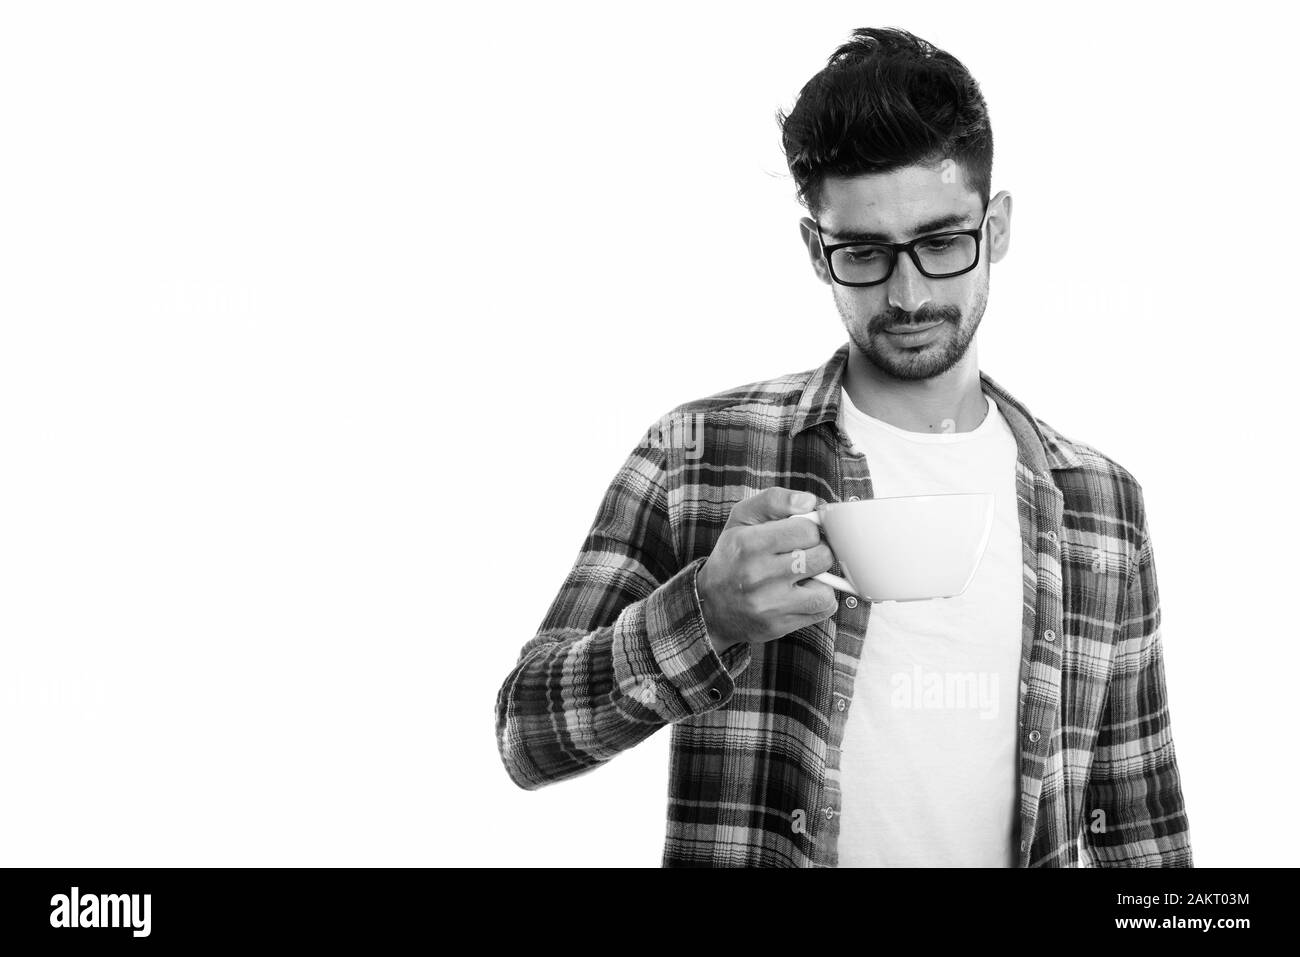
925 316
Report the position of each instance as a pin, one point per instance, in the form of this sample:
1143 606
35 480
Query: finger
814 601
786 534
808 563
777 570
771 504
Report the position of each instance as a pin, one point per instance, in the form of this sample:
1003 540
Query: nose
908 289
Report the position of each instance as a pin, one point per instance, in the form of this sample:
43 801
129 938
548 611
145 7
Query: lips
897 330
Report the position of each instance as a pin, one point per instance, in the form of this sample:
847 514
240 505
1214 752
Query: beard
932 359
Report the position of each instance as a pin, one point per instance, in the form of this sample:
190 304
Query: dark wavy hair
886 99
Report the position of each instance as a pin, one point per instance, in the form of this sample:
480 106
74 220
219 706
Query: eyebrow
950 221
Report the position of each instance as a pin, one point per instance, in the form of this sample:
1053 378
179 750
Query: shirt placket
852 478
1041 670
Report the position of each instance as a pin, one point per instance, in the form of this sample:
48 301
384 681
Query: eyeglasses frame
908 247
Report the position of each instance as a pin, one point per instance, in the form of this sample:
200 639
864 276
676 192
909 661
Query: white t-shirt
930 765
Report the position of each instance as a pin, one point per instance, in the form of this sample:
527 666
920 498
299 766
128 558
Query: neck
951 402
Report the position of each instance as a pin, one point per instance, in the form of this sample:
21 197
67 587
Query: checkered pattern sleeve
623 650
1134 778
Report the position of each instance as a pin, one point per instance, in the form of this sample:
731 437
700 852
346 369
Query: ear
813 243
999 224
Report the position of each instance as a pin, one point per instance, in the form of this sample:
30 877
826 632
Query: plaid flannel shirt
757 730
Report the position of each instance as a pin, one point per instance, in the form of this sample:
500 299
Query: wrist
720 644
720 641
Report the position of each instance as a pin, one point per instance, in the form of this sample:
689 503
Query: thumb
770 505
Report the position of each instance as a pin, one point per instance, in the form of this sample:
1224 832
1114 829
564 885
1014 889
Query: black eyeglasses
936 256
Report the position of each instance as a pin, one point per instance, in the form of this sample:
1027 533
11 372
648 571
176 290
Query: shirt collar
1041 447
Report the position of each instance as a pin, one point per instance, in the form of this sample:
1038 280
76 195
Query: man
813 729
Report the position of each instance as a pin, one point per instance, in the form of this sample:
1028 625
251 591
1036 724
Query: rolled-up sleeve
623 650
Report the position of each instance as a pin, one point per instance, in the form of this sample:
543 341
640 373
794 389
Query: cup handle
835 581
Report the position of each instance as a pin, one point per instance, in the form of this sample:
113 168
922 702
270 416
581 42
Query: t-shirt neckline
851 411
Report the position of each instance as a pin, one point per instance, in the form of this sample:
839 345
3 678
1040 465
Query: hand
749 588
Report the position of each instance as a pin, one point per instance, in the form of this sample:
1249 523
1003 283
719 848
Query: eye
863 254
937 245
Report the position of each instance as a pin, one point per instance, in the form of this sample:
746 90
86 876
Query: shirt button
1034 736
1024 846
1052 535
840 705
715 694
851 602
1049 635
830 813
853 498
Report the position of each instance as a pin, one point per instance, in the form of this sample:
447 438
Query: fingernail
805 501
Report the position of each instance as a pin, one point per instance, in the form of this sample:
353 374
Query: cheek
844 302
970 300
861 305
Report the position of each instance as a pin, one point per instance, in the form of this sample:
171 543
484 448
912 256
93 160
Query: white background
294 459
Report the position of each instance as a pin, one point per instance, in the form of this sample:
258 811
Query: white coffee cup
906 547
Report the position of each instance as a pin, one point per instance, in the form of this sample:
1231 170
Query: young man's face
897 207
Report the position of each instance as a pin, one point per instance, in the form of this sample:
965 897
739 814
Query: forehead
898 203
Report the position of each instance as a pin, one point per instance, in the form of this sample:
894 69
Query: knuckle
748 578
805 534
741 510
741 544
